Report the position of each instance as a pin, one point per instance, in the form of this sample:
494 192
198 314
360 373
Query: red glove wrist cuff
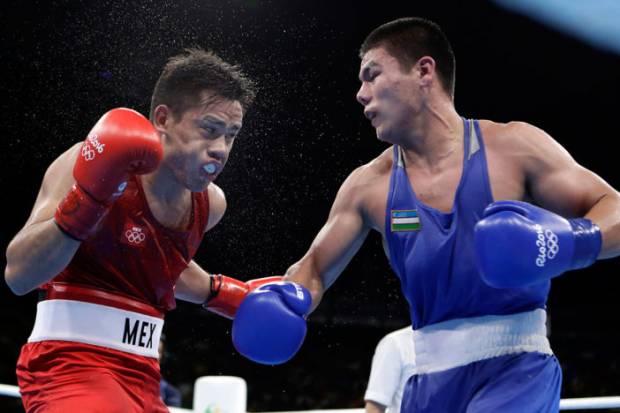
226 295
78 214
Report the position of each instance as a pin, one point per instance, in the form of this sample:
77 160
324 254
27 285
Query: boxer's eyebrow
221 123
366 69
217 121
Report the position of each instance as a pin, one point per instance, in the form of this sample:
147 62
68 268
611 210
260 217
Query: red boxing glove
228 293
121 143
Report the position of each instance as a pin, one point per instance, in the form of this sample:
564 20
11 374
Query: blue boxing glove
270 324
519 244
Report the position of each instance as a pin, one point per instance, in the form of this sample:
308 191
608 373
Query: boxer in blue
474 258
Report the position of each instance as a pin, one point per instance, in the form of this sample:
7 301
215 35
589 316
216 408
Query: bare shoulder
520 156
516 136
365 179
216 194
217 204
502 134
382 164
56 183
65 160
373 171
365 190
59 177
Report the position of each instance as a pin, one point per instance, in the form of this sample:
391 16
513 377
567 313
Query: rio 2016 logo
547 244
91 147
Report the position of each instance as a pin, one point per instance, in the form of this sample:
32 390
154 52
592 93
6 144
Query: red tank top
133 254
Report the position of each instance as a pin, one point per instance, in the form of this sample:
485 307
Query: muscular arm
217 205
40 250
558 183
336 243
194 284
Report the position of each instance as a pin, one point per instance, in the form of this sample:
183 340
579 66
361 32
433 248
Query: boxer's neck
169 202
437 134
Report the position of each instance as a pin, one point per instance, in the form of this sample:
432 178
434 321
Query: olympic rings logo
552 244
547 244
87 152
91 147
134 236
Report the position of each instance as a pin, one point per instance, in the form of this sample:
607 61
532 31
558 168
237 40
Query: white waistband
111 327
454 343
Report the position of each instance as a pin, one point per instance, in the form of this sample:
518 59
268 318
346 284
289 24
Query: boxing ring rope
583 403
8 390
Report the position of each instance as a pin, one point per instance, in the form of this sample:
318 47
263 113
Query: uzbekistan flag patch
405 220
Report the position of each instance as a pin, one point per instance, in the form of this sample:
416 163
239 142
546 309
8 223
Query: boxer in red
111 237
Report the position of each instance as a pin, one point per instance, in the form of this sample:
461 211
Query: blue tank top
433 252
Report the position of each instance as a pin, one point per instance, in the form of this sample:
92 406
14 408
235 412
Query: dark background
67 62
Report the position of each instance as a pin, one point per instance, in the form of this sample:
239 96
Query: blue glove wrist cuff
588 242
